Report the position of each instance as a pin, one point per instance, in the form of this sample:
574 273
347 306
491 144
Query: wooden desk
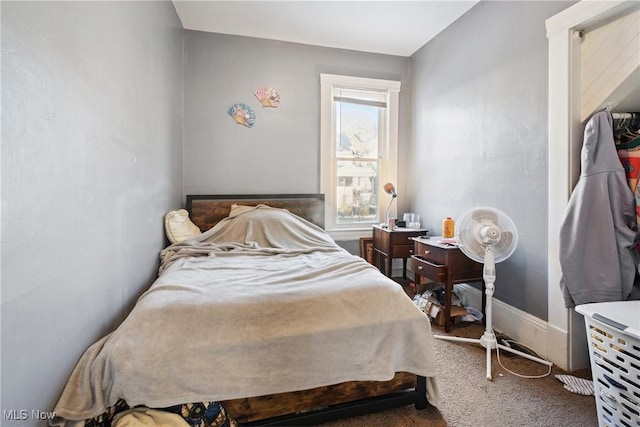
396 243
446 264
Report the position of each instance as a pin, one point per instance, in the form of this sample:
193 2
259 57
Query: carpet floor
467 398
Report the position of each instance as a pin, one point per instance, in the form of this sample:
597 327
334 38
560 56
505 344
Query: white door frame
567 342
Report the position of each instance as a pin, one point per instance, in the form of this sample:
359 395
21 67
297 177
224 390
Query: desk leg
484 304
387 266
404 268
448 290
379 261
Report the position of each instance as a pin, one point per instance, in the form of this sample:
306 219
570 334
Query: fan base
488 341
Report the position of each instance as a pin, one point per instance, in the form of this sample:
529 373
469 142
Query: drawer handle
427 252
410 251
419 267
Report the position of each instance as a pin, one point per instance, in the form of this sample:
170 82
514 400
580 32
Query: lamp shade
390 189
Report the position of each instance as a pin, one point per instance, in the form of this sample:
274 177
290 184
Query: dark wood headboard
207 210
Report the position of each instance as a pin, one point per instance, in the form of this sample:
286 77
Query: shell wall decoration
242 114
268 96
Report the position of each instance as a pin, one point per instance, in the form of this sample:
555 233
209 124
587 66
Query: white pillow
179 227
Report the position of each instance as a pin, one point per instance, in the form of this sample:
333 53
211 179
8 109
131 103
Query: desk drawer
402 251
431 253
403 238
422 267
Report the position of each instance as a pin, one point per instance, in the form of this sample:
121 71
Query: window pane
356 192
358 129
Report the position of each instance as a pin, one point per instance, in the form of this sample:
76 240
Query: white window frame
388 150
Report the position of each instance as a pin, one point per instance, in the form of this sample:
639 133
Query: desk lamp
391 190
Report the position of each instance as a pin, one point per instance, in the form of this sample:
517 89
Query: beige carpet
467 398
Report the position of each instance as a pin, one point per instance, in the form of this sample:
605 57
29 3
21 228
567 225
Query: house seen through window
359 138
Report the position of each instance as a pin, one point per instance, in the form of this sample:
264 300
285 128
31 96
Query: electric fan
488 235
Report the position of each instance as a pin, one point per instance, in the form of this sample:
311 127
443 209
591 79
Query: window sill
344 234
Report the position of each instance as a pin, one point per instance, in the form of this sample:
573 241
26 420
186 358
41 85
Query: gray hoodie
598 255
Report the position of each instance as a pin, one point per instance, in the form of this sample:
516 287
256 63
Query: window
359 136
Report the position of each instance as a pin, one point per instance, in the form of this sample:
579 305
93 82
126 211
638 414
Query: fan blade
505 246
506 239
470 245
482 215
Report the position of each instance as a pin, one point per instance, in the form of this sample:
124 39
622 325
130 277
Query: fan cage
467 224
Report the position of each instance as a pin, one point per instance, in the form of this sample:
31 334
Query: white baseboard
517 324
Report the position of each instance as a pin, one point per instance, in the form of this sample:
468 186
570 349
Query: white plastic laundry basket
613 334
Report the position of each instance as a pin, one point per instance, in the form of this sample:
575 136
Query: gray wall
91 161
479 127
280 153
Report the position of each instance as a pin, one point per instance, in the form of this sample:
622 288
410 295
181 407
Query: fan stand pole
488 339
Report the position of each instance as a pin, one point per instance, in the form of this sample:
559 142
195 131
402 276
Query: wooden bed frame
306 407
206 211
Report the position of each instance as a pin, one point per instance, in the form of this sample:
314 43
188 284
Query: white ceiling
388 27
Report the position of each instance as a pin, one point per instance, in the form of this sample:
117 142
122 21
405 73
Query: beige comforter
265 302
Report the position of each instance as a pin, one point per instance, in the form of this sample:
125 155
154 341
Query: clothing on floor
576 385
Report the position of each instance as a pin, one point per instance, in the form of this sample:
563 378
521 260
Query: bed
266 315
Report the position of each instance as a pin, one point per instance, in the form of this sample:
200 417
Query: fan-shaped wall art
268 96
242 114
